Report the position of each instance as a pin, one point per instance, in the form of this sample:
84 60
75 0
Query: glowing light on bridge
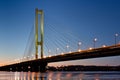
29 67
49 56
62 53
90 48
67 48
79 50
94 41
103 45
70 51
57 50
28 57
49 52
79 44
116 35
32 56
44 56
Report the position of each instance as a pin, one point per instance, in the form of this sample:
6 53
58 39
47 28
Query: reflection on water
60 76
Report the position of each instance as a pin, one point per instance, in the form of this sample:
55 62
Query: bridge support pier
40 67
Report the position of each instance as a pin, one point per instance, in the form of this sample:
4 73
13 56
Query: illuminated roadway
85 54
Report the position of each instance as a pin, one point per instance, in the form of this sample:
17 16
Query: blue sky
85 19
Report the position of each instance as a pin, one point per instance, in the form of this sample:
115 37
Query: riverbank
84 68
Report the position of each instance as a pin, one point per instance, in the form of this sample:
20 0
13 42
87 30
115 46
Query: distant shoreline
84 68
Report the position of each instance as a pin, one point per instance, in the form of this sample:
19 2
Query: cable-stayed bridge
59 49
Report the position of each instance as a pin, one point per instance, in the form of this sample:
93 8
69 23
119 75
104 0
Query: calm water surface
60 76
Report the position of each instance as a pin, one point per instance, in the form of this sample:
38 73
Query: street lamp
49 52
57 50
79 44
28 57
32 56
116 35
24 58
67 48
94 41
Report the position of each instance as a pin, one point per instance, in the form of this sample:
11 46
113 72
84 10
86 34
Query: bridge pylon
37 42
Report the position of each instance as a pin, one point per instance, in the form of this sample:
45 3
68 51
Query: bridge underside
33 66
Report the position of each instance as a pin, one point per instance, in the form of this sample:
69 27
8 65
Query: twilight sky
84 19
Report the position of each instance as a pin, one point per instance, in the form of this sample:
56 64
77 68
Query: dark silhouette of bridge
40 64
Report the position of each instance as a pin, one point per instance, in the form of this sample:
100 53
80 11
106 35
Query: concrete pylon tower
37 42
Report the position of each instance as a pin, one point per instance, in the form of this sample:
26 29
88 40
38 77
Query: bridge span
40 64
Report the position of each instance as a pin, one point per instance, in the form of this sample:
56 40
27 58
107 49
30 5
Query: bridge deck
84 54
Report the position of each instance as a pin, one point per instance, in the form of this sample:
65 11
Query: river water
111 75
